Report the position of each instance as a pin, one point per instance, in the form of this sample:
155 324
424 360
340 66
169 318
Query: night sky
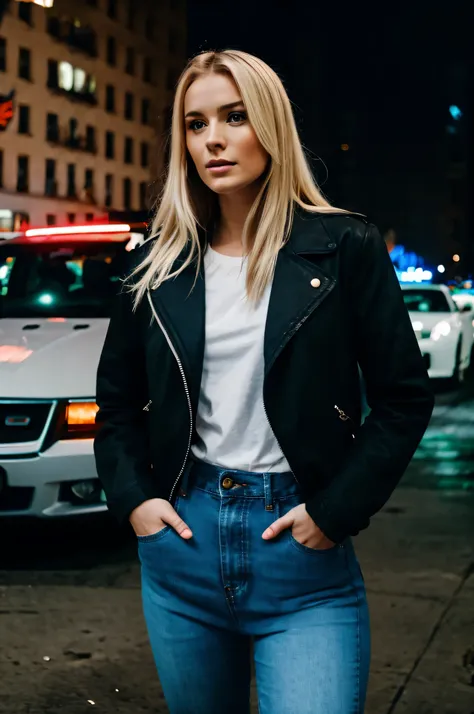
380 81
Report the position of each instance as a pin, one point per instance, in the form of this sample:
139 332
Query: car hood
50 358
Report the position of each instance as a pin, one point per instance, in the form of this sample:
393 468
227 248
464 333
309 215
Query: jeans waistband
232 483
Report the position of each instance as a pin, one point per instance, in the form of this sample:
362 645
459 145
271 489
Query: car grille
22 421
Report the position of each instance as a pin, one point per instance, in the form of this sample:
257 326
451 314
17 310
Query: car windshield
426 301
60 279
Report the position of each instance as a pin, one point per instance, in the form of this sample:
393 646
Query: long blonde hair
187 204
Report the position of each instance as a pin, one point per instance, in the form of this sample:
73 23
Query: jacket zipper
147 406
186 389
343 417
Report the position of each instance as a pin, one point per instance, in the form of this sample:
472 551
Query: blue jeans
210 601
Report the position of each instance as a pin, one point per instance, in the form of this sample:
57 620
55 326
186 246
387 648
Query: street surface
73 639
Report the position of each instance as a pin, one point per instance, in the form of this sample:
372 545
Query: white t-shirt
232 427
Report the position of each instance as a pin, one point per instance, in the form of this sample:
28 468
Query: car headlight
441 329
80 420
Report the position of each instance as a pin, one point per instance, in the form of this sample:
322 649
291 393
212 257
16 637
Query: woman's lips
221 169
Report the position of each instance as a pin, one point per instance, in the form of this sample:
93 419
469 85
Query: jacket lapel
296 292
180 304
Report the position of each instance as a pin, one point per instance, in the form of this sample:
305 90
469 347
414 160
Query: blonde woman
229 397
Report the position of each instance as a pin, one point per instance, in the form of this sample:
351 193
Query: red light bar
78 230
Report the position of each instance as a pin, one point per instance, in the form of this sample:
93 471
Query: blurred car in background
444 331
463 297
56 290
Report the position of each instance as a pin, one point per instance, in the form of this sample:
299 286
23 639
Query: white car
56 289
463 298
443 330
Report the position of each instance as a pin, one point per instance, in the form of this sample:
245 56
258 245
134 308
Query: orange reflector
81 413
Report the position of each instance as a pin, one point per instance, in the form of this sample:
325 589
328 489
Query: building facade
85 88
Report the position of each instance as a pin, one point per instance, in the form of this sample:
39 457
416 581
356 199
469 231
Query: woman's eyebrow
221 109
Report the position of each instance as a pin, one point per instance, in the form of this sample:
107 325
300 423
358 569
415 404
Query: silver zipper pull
342 415
146 408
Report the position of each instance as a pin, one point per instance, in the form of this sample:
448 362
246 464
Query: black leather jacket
335 304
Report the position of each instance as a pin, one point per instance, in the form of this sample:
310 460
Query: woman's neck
234 209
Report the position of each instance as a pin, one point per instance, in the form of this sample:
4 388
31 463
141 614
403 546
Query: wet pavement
73 638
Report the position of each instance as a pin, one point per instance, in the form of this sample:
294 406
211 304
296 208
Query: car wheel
459 371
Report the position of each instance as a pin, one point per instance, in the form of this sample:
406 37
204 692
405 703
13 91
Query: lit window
66 76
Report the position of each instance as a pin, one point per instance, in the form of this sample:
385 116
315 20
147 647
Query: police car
56 290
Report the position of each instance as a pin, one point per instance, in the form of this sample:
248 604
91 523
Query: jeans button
227 482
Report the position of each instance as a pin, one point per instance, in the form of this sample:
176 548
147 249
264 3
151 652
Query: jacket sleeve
398 394
121 445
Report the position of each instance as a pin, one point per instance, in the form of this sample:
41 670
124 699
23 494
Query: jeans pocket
154 537
318 552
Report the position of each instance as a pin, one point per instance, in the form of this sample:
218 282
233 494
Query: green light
46 299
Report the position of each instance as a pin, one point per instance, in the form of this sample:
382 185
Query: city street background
74 640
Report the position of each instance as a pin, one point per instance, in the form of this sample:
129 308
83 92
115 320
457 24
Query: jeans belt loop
267 488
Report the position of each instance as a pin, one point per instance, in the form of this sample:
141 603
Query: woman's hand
303 529
152 516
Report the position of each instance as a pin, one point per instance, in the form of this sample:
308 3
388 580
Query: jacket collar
295 294
300 284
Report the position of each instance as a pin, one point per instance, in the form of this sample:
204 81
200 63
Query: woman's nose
215 137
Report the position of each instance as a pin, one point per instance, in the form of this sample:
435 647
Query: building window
143 196
144 154
109 190
71 80
76 81
22 182
90 139
128 150
53 73
24 119
147 69
3 54
71 180
109 145
73 33
112 9
73 138
131 10
128 105
145 111
53 26
50 178
25 12
71 217
89 179
111 51
89 217
150 26
50 219
52 127
89 184
110 99
24 64
127 194
130 61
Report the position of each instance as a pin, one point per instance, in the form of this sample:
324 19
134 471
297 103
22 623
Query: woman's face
222 144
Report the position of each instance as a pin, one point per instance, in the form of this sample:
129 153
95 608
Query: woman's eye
196 125
236 117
